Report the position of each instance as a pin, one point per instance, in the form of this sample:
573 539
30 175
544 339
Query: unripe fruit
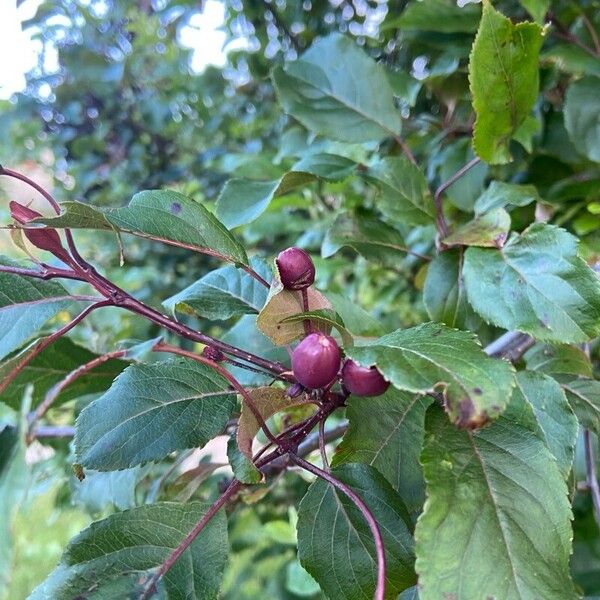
316 360
296 269
363 381
43 238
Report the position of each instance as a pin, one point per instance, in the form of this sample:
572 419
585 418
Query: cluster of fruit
317 359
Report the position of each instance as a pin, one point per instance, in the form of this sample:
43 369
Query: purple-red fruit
296 269
363 381
316 360
43 238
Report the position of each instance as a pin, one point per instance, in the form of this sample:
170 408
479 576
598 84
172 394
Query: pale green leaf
242 467
500 194
130 544
330 167
487 230
584 396
150 411
324 319
582 116
335 544
99 490
432 356
387 433
488 494
536 284
537 9
504 79
224 293
559 360
329 89
356 319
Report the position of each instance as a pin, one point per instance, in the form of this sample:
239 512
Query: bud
42 238
296 269
316 360
363 381
213 354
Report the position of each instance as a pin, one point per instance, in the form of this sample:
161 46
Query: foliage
440 165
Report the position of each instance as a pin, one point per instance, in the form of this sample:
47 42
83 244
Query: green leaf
504 79
557 422
357 320
367 235
537 9
487 230
572 59
404 86
77 215
242 201
13 482
584 396
431 356
324 319
223 293
330 167
26 304
443 16
488 494
559 361
51 366
99 491
131 543
527 131
536 284
329 89
582 116
500 194
241 465
405 196
387 432
444 292
335 544
150 411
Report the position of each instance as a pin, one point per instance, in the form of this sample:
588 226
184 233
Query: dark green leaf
136 541
335 544
500 194
387 433
559 361
99 491
584 396
329 89
537 9
150 411
503 73
488 493
241 465
433 356
536 284
437 15
357 320
582 116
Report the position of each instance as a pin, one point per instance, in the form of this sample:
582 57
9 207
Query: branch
54 431
442 225
562 32
511 345
363 508
591 476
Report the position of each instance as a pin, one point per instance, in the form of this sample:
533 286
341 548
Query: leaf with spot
431 357
150 411
504 80
536 284
488 230
114 557
335 544
559 361
488 494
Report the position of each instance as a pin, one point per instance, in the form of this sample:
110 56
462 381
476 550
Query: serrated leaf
335 544
537 9
584 396
51 366
242 201
444 292
536 284
405 196
504 80
26 304
283 303
582 116
223 293
77 215
387 432
329 89
99 491
500 194
559 361
432 356
150 411
367 235
555 418
443 16
132 543
268 401
488 230
487 493
242 467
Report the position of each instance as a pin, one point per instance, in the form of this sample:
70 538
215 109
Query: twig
591 31
322 443
307 322
562 32
442 225
54 431
591 476
363 508
511 345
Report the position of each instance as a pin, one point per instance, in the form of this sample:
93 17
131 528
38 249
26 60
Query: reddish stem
322 444
407 151
307 322
363 508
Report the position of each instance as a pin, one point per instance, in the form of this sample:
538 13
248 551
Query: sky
23 51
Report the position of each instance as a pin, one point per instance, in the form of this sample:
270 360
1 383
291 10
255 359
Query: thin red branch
363 508
591 475
322 443
407 151
255 275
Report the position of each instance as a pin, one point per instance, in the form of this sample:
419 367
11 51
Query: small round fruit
296 269
316 360
363 381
